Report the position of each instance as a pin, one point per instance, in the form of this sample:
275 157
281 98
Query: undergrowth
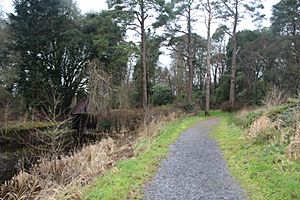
55 176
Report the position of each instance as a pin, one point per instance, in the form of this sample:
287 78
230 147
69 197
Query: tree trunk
190 61
208 59
233 72
233 64
143 57
216 76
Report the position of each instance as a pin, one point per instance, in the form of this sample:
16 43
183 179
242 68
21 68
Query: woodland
73 82
49 51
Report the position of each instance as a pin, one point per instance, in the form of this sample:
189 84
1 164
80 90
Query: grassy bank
262 168
125 181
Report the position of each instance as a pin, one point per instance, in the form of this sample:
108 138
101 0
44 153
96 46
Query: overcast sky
98 5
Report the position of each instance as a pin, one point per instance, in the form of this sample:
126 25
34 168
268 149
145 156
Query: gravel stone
194 170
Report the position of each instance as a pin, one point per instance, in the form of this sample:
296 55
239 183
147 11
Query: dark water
9 166
12 158
15 156
9 158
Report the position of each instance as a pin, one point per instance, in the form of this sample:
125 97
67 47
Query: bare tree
99 89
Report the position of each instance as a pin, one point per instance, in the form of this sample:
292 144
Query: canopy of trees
48 50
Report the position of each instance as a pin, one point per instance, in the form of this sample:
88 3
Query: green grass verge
262 169
130 175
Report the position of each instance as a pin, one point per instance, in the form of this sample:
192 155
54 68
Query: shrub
245 118
162 95
286 134
252 116
105 125
273 112
274 98
188 107
226 106
262 129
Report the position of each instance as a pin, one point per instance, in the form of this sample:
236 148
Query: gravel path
194 169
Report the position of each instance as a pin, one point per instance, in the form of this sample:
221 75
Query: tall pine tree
137 14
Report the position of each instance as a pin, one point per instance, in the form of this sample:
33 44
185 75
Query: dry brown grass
152 126
262 129
274 98
53 177
286 133
293 149
23 186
